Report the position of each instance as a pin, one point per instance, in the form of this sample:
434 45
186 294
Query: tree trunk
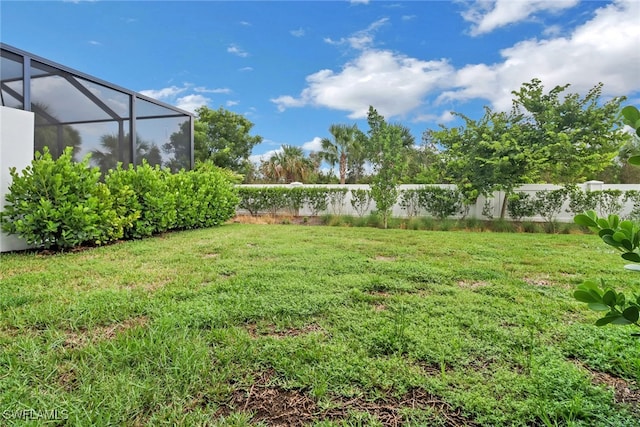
343 168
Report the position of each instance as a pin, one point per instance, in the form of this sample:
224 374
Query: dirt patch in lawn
385 258
84 337
624 391
271 331
472 285
279 407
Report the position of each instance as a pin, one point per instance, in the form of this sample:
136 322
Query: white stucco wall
16 150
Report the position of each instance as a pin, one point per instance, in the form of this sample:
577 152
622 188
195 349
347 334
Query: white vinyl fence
484 208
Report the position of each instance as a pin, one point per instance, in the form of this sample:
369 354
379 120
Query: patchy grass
280 325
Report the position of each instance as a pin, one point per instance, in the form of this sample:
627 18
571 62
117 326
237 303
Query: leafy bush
336 199
610 202
151 197
634 197
625 237
60 204
252 199
548 204
440 202
520 205
410 202
214 198
317 200
360 201
581 201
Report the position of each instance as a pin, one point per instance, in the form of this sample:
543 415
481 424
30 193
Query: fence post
593 185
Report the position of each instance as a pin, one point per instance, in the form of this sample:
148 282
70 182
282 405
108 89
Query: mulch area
279 407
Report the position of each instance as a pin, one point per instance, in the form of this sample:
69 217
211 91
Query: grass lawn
301 325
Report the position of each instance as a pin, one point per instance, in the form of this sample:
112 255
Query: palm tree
287 165
346 141
108 158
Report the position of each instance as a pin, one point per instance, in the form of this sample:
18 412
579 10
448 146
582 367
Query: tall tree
486 155
577 137
178 148
345 145
224 138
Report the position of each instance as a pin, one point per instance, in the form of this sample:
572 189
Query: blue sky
295 67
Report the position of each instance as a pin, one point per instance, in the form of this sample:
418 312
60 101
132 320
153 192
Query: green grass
215 327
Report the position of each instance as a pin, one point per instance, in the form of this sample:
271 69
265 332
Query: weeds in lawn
343 325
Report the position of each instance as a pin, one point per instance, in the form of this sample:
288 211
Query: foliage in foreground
625 237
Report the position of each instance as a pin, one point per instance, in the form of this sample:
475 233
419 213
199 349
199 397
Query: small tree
386 147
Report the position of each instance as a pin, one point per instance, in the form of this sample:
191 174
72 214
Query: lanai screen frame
126 123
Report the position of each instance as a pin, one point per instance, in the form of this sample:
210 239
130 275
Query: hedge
62 204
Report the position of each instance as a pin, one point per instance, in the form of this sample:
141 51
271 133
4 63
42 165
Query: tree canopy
224 138
547 137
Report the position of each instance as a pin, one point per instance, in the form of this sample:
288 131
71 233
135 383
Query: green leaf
603 223
609 298
632 314
619 236
635 160
609 240
631 114
605 232
607 319
586 296
631 256
598 306
620 320
585 220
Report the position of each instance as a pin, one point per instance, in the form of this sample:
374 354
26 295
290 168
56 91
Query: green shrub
336 199
440 202
634 197
317 200
252 199
204 197
548 204
520 205
214 194
60 204
360 201
410 202
151 196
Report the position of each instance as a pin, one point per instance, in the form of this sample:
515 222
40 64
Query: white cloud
603 49
164 93
95 43
297 33
246 69
245 23
394 84
232 103
257 158
445 117
487 15
362 39
314 145
359 1
408 17
191 102
202 89
237 50
188 97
